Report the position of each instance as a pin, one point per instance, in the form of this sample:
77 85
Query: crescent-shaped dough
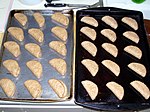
17 33
90 20
12 66
59 64
60 18
59 87
34 88
116 89
91 66
130 22
133 50
91 88
141 88
34 49
8 87
138 68
110 48
35 67
90 47
110 34
131 36
39 19
60 32
110 21
89 32
21 18
112 66
59 47
37 34
13 48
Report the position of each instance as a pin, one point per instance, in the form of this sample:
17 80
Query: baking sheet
47 54
106 100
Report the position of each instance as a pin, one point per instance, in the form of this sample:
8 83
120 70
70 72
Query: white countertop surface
128 4
5 7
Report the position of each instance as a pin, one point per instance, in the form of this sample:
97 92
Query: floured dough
131 36
59 47
8 87
112 66
131 22
34 49
37 34
60 32
21 18
60 18
13 48
110 21
116 89
12 66
90 47
110 48
91 66
39 19
110 34
89 32
90 20
141 88
17 33
35 67
34 88
59 87
138 68
133 50
59 64
91 88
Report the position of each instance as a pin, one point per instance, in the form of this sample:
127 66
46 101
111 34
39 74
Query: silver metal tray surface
48 95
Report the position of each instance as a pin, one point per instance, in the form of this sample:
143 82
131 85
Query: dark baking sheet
47 54
106 100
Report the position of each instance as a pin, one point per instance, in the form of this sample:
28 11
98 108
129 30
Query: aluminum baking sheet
105 99
47 54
